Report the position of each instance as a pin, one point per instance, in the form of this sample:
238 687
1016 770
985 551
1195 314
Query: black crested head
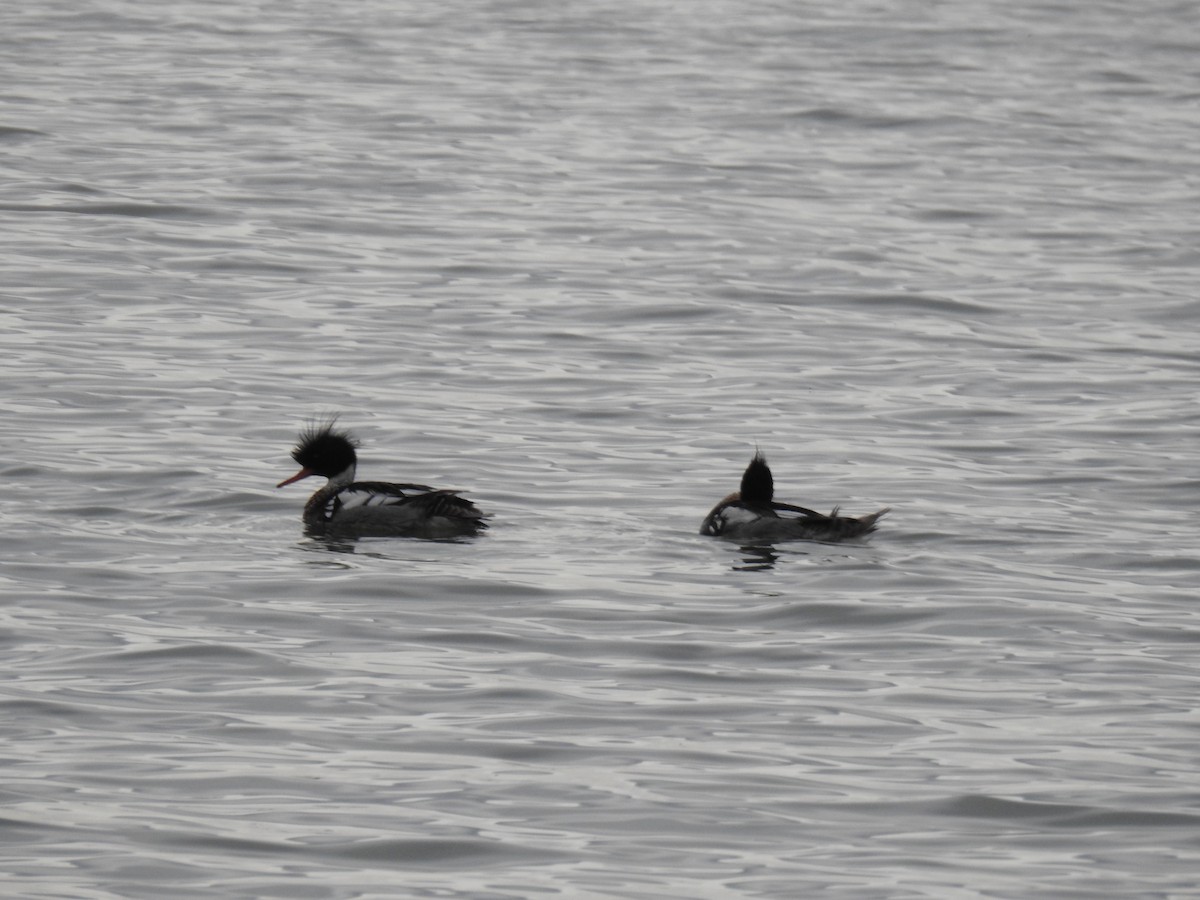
757 484
325 450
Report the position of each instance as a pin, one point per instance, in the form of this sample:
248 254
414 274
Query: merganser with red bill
753 514
348 508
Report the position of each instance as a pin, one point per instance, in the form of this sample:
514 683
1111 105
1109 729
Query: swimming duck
752 514
349 508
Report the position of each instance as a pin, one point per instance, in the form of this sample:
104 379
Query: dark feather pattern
752 514
324 449
758 484
349 508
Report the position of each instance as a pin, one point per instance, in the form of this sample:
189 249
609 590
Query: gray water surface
578 260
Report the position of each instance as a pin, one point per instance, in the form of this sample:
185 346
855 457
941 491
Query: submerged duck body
348 508
753 514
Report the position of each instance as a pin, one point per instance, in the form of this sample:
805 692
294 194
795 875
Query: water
577 260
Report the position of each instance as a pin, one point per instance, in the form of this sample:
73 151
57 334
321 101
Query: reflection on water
759 557
756 557
324 544
375 547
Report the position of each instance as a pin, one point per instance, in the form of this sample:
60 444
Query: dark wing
447 504
833 527
372 493
798 510
422 501
387 488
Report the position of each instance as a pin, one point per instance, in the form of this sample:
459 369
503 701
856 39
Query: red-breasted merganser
752 514
349 508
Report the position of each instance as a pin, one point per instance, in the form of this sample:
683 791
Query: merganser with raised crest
348 508
752 514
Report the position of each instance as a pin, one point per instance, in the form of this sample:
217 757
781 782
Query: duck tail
868 521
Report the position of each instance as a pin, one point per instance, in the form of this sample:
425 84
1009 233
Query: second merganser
348 508
752 514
